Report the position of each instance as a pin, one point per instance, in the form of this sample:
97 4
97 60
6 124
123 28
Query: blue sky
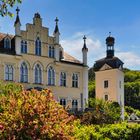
93 18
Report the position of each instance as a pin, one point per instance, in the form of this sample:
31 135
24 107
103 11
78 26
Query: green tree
5 5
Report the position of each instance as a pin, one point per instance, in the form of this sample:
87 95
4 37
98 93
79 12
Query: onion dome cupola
56 32
84 51
110 41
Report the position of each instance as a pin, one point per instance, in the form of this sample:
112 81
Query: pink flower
1 127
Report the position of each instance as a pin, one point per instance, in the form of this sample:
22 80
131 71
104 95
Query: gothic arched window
9 72
24 73
51 76
38 47
38 74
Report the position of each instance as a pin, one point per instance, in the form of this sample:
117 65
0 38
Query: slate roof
113 62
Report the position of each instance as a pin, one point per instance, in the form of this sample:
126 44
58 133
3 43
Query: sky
93 18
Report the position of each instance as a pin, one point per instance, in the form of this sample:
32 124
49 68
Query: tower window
63 79
63 102
38 47
9 72
23 46
7 43
75 80
51 52
106 84
106 97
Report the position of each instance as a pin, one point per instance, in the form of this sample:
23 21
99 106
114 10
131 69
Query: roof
113 62
3 35
70 58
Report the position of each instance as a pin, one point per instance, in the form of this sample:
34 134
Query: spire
84 46
56 26
17 18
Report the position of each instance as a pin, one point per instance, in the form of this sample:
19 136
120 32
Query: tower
109 76
85 74
84 51
57 45
17 33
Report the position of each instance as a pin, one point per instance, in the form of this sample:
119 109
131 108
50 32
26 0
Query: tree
5 5
32 115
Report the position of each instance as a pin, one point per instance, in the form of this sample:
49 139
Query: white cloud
130 59
97 50
74 46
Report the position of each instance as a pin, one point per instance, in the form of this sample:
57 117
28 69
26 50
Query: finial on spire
17 10
109 33
84 39
56 20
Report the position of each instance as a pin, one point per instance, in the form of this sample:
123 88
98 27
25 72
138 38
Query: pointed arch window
75 80
51 76
38 47
23 46
24 73
51 52
9 72
63 79
7 43
38 74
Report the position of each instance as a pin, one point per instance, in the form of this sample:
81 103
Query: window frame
75 80
9 72
38 47
9 43
63 79
51 76
51 52
37 74
23 47
23 73
106 83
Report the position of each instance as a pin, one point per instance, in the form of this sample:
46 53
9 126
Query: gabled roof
3 35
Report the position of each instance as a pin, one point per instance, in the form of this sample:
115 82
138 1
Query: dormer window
38 47
51 52
23 46
7 43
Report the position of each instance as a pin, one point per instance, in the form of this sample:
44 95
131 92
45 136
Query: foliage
123 131
32 115
103 112
91 89
5 5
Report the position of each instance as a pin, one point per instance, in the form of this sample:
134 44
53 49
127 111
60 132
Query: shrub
32 115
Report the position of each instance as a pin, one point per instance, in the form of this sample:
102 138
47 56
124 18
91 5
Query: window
75 105
38 74
63 102
9 72
51 76
23 46
23 73
38 47
7 43
106 97
106 84
75 80
51 51
63 79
